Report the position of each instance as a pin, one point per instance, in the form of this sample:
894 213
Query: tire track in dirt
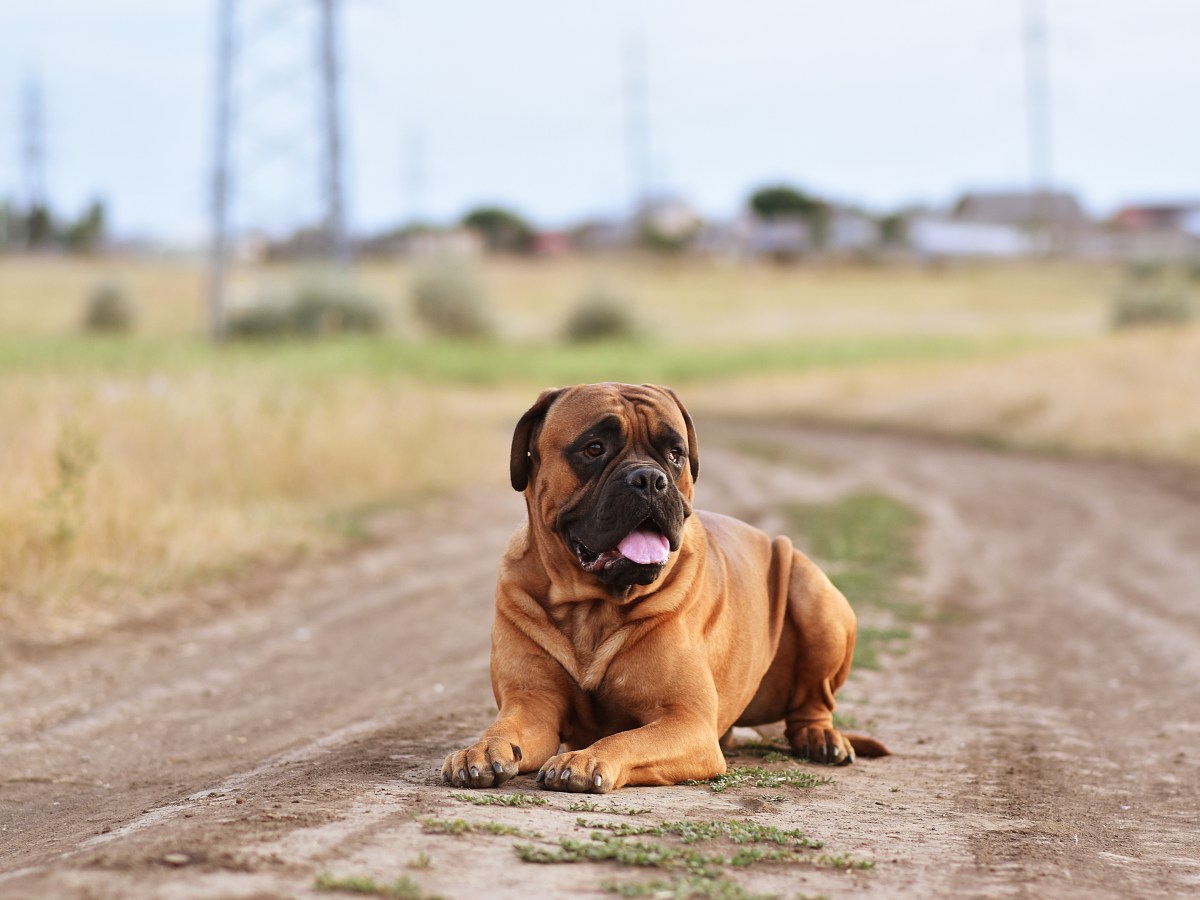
1044 720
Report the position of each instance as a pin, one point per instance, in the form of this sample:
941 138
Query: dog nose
647 480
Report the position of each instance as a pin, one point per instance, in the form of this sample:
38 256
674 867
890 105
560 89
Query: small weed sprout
500 799
75 454
404 888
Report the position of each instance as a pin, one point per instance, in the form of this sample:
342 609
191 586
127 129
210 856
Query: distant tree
893 228
503 230
39 227
781 201
87 232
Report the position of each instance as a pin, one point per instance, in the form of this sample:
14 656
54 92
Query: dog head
609 472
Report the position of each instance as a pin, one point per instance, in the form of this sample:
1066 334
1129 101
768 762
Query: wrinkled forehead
634 410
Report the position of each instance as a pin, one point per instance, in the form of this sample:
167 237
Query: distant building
552 243
782 239
601 235
939 237
1019 208
669 218
850 231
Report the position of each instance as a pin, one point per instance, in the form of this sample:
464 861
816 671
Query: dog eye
594 450
676 455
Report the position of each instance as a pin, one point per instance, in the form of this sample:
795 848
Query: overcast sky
453 103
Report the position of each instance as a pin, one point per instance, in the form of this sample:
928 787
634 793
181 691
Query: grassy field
138 464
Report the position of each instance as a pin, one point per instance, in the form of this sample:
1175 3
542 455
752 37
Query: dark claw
462 774
474 771
517 753
541 777
566 775
550 775
446 777
497 768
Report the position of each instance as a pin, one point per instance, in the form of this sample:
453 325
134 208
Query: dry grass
693 302
1133 396
132 468
120 487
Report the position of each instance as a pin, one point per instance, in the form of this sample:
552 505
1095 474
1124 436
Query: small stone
177 859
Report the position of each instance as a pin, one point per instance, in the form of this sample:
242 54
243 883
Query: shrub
1151 305
331 308
265 320
449 302
600 316
109 310
317 309
1152 295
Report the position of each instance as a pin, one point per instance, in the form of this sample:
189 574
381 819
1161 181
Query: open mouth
646 545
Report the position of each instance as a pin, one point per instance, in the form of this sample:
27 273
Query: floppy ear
693 447
520 461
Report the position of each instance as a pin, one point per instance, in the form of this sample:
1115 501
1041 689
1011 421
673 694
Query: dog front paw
486 764
822 744
578 771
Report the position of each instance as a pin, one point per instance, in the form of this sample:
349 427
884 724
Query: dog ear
693 447
520 460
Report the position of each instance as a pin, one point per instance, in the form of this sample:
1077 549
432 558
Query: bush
264 320
109 311
317 309
1151 305
449 301
600 316
1153 295
334 309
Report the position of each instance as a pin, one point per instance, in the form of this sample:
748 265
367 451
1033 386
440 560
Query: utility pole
219 260
33 144
1037 101
253 153
637 120
335 219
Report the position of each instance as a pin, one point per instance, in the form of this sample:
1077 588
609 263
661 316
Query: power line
335 217
259 73
637 119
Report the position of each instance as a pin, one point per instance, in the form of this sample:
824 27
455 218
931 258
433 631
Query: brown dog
634 632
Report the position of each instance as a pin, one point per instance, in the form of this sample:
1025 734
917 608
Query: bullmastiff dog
633 632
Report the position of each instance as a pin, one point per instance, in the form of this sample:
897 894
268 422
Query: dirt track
1046 726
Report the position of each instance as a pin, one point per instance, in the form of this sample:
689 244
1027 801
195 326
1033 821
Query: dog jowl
632 632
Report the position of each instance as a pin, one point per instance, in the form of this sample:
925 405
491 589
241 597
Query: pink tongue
645 547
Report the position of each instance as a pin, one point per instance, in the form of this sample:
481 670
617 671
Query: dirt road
1045 722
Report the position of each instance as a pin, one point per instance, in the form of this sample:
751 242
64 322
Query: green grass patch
738 831
479 362
682 888
590 806
462 826
764 749
757 776
873 642
404 888
844 861
501 799
868 543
